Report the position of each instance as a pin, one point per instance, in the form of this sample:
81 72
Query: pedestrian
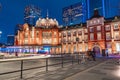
16 54
107 52
92 53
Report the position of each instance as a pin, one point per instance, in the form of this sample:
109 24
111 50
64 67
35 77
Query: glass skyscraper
106 8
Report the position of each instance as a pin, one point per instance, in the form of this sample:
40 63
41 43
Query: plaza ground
101 69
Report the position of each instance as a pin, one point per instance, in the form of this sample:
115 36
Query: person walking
107 52
93 55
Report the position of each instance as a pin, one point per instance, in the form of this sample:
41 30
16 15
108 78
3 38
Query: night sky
12 12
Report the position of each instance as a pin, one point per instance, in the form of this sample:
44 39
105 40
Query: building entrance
96 49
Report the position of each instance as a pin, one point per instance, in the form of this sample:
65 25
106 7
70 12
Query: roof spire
47 13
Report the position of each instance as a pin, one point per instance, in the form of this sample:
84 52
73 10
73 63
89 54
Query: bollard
46 64
21 75
62 60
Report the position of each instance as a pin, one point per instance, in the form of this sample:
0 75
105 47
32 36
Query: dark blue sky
12 12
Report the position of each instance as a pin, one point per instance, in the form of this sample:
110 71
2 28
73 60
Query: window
69 39
91 36
116 35
108 36
26 41
74 33
74 39
86 38
85 30
98 28
107 28
55 34
98 36
79 32
80 38
37 34
26 35
64 34
116 26
118 46
59 34
91 29
69 33
55 40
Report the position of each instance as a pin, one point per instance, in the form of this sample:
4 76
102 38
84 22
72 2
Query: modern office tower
74 14
106 8
31 14
10 40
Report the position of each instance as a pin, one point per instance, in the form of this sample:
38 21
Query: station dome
46 22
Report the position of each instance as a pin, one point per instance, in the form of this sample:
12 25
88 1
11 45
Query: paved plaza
101 69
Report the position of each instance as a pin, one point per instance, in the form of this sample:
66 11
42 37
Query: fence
30 63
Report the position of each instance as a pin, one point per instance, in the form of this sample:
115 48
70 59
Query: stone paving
101 69
61 73
108 70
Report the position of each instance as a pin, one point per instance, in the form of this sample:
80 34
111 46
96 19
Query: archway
96 49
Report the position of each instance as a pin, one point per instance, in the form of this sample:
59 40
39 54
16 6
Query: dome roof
46 22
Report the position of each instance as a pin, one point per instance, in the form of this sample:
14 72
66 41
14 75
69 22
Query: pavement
101 69
55 72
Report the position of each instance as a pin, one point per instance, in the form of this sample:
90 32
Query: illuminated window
118 46
91 29
26 41
26 35
80 38
74 33
91 36
86 38
98 36
116 26
74 39
98 20
79 32
98 28
69 33
116 35
108 36
55 40
107 28
37 34
69 39
85 30
59 34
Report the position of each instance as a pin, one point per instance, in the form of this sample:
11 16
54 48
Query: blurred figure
107 52
16 54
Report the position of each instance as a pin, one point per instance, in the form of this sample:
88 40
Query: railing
45 62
